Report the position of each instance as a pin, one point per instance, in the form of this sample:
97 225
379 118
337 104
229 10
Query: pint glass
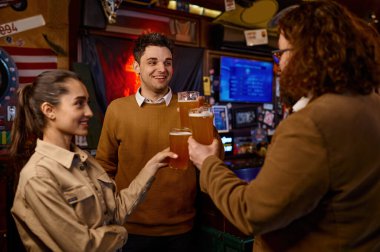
187 100
201 123
178 144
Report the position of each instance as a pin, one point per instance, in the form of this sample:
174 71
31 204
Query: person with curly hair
318 189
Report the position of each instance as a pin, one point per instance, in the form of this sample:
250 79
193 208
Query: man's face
155 69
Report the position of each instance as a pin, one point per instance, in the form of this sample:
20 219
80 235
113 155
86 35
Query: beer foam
180 133
203 114
187 100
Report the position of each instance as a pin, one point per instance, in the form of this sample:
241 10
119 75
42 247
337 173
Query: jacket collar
62 156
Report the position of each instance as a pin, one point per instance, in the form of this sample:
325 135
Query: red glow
133 77
116 60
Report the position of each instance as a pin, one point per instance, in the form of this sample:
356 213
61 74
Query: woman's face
284 44
73 113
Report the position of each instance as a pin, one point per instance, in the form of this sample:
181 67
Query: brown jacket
66 202
319 187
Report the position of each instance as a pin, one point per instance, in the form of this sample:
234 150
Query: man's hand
199 152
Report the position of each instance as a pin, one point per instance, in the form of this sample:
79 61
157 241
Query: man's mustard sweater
130 136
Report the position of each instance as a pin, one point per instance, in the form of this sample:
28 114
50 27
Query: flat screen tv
245 80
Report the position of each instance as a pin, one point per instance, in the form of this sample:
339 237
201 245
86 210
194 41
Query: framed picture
221 120
244 117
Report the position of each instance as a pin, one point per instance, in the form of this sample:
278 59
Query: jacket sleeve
57 225
129 198
290 184
107 151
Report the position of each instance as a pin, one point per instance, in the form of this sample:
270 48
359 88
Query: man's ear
48 110
136 67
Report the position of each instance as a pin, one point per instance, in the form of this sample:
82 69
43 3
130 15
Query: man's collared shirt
141 99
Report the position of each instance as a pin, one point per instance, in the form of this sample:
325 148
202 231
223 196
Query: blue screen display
245 80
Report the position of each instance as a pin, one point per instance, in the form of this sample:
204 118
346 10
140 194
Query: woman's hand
199 152
160 160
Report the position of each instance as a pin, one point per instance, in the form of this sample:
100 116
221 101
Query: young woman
64 200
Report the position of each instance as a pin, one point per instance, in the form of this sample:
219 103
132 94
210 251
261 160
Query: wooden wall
55 13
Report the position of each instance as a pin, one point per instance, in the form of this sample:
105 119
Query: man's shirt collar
141 99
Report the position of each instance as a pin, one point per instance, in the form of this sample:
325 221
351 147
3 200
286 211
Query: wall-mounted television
245 80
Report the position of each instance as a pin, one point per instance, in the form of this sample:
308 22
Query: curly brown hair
150 39
333 51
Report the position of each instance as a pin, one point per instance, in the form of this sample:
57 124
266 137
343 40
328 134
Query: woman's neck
57 138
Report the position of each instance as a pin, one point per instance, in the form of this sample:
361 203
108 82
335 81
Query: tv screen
245 80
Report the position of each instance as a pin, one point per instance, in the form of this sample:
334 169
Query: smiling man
136 128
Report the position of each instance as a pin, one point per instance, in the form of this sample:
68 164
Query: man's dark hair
150 39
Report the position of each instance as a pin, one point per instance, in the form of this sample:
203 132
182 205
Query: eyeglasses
278 53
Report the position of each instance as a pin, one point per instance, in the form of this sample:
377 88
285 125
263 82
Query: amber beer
201 122
178 144
187 100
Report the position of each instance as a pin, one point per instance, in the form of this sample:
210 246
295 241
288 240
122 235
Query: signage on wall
256 37
229 5
21 25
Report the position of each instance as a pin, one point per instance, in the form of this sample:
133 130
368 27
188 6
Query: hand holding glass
201 124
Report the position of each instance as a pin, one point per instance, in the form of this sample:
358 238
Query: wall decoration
244 117
116 60
133 23
183 30
21 25
221 119
31 62
8 87
110 7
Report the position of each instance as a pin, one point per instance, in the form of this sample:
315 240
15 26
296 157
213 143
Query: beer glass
187 100
178 144
201 123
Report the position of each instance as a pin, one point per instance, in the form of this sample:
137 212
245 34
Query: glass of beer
187 100
178 144
201 123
